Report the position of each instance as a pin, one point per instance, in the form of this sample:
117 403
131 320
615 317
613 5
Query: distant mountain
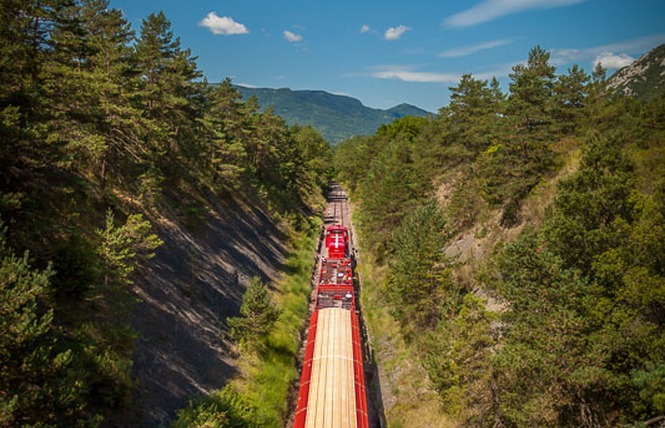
643 78
336 117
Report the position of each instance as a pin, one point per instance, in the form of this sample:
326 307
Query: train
332 392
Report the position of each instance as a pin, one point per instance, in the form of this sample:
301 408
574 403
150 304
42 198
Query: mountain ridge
336 117
642 79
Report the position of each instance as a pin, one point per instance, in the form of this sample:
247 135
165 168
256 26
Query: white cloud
224 25
620 50
408 74
364 29
613 61
292 37
413 74
395 33
489 10
468 50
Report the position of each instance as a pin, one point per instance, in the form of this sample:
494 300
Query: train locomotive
332 390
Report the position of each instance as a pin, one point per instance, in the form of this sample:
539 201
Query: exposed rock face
196 281
642 79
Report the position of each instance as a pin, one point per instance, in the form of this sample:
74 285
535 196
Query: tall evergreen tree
530 100
474 111
393 185
420 280
38 384
593 206
166 93
93 61
225 120
571 105
258 314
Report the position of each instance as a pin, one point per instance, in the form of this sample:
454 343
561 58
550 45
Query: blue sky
392 51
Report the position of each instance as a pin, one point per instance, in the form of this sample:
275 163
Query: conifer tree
530 100
258 314
474 113
226 120
420 281
122 248
38 384
92 60
571 100
165 93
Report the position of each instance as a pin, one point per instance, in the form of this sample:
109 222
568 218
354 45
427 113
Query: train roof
337 227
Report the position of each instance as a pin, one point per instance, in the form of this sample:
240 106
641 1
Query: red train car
332 387
337 242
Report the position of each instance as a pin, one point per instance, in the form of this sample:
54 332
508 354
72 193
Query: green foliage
225 408
420 280
336 117
351 159
121 248
393 184
466 203
530 100
593 206
92 116
651 384
457 355
258 314
571 93
594 331
509 171
544 362
38 383
473 112
577 337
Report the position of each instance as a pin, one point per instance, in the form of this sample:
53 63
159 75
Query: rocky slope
643 78
189 289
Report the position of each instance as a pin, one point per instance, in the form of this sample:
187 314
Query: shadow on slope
195 282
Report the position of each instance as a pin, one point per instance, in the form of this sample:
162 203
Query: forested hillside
336 117
518 242
105 130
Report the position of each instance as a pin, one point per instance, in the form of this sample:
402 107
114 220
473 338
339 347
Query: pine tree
540 371
92 120
122 248
570 94
38 383
530 100
513 166
593 206
474 112
420 284
351 158
225 120
258 314
166 92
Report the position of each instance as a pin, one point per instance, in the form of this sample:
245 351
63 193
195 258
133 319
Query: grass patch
267 375
270 377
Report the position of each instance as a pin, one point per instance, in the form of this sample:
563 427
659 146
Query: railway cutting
333 389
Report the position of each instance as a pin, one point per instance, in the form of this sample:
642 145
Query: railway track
337 211
332 391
